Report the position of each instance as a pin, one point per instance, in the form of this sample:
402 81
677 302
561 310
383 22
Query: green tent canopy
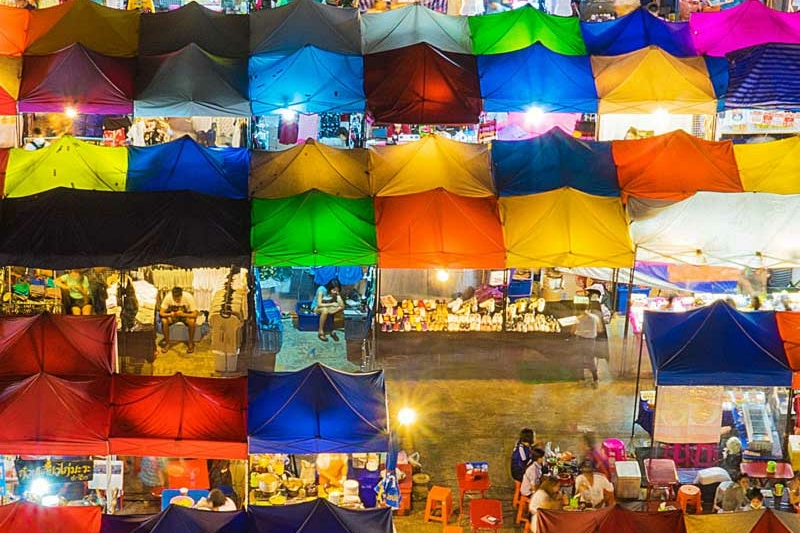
520 28
313 229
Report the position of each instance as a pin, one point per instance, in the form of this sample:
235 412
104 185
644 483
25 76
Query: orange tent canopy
789 329
13 28
674 166
438 229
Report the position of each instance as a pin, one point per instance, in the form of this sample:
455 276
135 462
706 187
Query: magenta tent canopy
748 24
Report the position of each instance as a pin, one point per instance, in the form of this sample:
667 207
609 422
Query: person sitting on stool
76 287
328 301
178 307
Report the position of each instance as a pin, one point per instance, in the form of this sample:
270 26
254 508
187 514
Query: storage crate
307 320
629 480
270 340
356 328
794 451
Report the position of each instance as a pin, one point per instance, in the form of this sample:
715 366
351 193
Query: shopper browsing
178 306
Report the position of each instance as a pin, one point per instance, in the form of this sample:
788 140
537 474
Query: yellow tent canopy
650 79
770 167
433 162
565 228
67 162
308 166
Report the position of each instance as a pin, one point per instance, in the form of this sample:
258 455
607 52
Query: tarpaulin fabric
185 165
113 32
23 516
13 30
748 24
48 415
624 520
791 521
675 166
770 167
76 77
638 29
305 22
713 523
789 328
536 76
314 229
419 84
438 229
716 345
10 74
60 345
430 163
187 520
549 521
308 166
520 28
67 162
309 80
318 516
67 228
191 82
221 34
694 278
398 28
552 161
650 79
113 523
179 416
565 228
721 229
689 414
764 77
317 410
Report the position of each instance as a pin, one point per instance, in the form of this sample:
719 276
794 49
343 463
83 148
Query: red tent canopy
611 520
13 29
3 165
420 84
59 345
789 329
23 516
47 415
179 416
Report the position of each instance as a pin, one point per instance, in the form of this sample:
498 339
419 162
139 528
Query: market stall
610 520
398 28
638 29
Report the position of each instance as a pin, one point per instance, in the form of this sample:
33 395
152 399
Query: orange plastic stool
439 498
515 499
453 529
522 510
690 495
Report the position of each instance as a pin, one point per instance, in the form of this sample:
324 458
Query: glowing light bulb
71 112
406 416
442 275
534 116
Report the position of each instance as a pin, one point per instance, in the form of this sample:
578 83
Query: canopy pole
788 421
626 327
246 496
636 400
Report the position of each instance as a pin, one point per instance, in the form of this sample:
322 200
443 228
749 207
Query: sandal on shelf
335 336
322 337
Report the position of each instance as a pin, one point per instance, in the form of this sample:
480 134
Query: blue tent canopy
552 161
186 520
185 165
309 80
718 72
636 30
316 410
764 76
318 516
536 76
716 345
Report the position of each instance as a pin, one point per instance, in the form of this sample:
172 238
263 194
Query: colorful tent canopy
48 415
650 79
67 162
176 518
789 328
430 163
114 523
319 516
638 29
113 32
437 87
185 165
770 167
13 30
552 161
179 416
191 82
79 78
716 345
309 80
764 76
520 28
438 229
220 34
398 28
305 22
311 165
611 520
674 166
24 516
317 410
748 24
565 228
313 229
743 230
535 76
67 228
60 345
10 74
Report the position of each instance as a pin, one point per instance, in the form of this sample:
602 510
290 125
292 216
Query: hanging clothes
287 133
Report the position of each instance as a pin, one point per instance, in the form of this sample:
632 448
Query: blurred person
593 488
37 141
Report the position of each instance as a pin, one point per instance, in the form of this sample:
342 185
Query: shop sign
54 471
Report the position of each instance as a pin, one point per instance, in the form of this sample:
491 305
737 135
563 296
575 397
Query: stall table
758 470
479 512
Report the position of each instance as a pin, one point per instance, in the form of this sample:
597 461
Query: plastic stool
705 455
522 510
614 448
439 498
453 529
515 499
690 495
678 453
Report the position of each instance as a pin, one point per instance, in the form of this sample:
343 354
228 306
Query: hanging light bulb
442 275
71 112
534 116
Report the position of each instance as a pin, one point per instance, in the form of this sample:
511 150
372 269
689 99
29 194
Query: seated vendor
216 501
593 488
76 287
332 469
328 301
178 306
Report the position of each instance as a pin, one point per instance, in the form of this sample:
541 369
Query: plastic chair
466 486
705 455
522 510
614 448
440 498
690 495
515 499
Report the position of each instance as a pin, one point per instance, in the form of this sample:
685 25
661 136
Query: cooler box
307 320
794 451
629 480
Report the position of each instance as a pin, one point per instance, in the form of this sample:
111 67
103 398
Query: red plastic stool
690 495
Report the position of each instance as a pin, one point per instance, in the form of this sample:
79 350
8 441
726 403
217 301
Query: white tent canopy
724 229
623 276
381 32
